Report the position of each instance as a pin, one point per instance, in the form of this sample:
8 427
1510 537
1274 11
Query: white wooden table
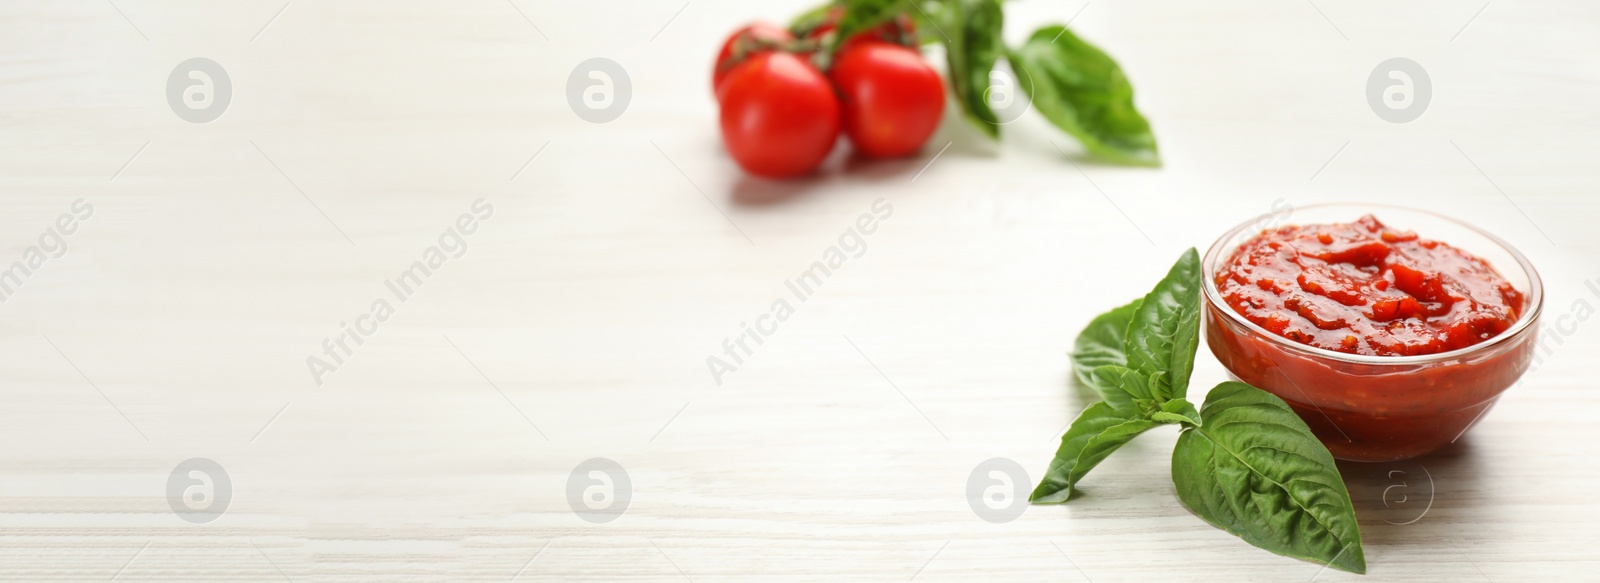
576 324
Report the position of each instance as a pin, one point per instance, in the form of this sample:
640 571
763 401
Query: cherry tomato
892 99
780 117
753 38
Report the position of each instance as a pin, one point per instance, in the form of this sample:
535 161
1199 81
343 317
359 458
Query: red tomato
753 38
780 117
892 99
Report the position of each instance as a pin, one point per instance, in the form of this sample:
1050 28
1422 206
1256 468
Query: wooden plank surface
576 319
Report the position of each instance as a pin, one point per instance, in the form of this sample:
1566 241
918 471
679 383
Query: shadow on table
1391 496
954 138
852 168
757 191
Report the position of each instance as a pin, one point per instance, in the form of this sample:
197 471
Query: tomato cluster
782 114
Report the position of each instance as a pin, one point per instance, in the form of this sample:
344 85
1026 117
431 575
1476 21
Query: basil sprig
1244 462
1157 345
1075 85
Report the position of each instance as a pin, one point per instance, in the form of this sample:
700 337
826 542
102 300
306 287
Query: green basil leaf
1255 470
925 14
862 15
1126 390
1101 342
809 20
1166 329
975 44
1177 411
1097 432
1083 91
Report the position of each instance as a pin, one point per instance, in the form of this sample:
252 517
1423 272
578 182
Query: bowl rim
1526 320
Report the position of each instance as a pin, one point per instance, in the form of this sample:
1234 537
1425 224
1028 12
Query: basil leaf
925 15
975 44
1097 432
807 21
1101 342
862 15
1083 91
1126 390
1255 470
1166 329
1177 411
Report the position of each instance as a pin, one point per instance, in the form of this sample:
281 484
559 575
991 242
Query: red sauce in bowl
1388 345
1364 288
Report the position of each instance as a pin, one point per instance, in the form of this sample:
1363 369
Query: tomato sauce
1369 292
1365 288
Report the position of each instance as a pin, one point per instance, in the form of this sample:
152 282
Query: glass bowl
1378 408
